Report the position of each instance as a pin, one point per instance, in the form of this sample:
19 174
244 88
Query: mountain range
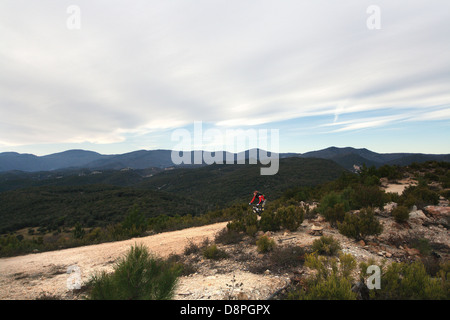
142 159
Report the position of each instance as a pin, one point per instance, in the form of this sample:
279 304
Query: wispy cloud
136 68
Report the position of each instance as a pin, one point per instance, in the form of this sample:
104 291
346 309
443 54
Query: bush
368 196
228 236
265 244
134 223
411 281
291 217
326 246
400 214
332 280
214 253
285 257
137 276
335 214
331 199
247 223
78 232
270 221
420 195
360 225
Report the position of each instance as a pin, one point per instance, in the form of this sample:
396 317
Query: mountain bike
258 208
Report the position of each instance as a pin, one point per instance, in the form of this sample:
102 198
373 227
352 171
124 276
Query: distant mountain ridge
142 159
348 156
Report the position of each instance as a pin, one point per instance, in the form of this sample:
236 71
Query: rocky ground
245 273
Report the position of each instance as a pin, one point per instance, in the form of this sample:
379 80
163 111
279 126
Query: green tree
134 223
360 225
400 214
78 232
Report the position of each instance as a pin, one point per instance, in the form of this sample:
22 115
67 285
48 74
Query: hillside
348 156
225 184
262 275
96 200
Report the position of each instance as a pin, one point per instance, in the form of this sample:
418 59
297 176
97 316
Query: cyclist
261 200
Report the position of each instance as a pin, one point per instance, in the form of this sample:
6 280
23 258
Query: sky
119 76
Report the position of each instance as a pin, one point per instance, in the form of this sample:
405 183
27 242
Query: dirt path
30 276
400 186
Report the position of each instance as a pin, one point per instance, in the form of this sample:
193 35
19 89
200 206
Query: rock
319 219
417 215
412 251
316 231
362 243
389 207
437 211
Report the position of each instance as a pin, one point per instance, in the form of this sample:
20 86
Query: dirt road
30 276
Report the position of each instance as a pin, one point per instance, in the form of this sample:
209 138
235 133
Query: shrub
247 223
291 217
400 214
134 223
335 214
78 232
137 276
329 200
191 248
331 281
270 221
422 244
326 246
214 253
420 195
285 257
368 196
265 244
228 236
411 281
360 225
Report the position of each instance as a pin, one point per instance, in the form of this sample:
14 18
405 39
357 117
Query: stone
412 251
418 214
316 231
437 211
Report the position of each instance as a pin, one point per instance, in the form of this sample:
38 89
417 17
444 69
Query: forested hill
143 159
105 197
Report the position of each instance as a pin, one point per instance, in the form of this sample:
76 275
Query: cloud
148 65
